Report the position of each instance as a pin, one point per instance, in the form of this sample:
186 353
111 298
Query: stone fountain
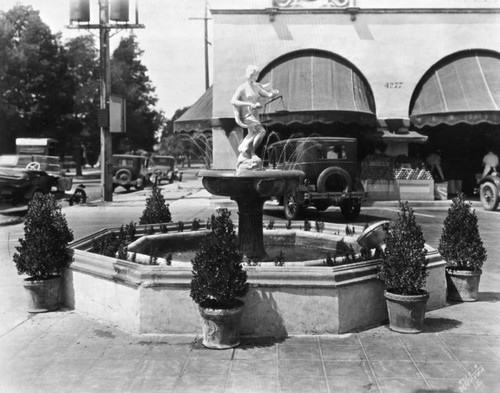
250 189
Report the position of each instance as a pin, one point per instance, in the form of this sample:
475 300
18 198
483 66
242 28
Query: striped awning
464 88
199 116
317 87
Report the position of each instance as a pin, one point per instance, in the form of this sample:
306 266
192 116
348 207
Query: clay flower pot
463 285
406 312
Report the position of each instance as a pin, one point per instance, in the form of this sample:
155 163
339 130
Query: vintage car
163 168
130 171
489 191
21 176
330 166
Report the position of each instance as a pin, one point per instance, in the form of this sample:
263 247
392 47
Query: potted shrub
462 248
218 281
404 270
41 254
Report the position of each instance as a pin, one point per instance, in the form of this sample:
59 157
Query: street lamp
118 12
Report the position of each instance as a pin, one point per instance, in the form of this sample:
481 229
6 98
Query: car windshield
167 161
123 161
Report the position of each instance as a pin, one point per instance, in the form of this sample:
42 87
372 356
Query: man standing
490 162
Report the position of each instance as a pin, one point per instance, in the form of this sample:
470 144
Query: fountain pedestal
250 189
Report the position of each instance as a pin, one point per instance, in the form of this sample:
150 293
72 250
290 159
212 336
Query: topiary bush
156 210
404 267
460 244
218 274
41 254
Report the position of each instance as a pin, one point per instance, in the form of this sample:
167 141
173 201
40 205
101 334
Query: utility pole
79 12
205 20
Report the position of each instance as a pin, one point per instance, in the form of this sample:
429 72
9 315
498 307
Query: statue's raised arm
246 107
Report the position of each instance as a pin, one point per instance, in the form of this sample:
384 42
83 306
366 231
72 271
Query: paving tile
208 384
310 352
167 351
421 340
300 340
464 340
303 384
485 369
347 369
105 366
395 369
474 354
431 353
200 352
441 369
403 385
108 384
252 352
340 339
342 352
389 339
382 352
491 340
156 368
202 367
254 367
148 384
300 368
70 367
126 351
254 384
353 385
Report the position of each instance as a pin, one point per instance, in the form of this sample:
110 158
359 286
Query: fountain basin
282 300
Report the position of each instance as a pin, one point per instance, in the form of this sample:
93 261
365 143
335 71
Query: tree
129 79
83 64
36 90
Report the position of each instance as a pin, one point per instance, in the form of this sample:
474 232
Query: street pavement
64 351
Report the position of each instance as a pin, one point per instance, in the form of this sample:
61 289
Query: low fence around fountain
282 300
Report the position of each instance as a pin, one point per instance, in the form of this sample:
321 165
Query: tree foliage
404 267
460 244
50 89
36 88
218 274
129 79
42 252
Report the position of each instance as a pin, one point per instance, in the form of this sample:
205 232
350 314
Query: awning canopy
199 116
316 86
463 88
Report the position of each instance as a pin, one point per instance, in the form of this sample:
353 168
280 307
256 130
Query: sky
173 44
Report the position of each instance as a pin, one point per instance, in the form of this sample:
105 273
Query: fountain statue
250 185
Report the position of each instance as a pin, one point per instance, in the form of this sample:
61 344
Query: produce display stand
396 178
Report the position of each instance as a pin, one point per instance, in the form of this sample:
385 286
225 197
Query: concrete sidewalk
66 352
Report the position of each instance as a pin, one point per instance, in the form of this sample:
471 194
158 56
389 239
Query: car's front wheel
292 209
489 196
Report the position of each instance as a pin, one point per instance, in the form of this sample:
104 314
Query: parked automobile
21 176
163 168
489 191
330 166
130 171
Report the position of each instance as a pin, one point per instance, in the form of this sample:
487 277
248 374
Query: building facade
425 70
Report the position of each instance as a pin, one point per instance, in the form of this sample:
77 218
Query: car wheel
292 209
140 183
123 176
489 196
350 209
334 179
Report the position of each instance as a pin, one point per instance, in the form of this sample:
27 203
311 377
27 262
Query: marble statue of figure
246 107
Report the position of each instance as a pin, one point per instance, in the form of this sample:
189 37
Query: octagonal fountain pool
298 297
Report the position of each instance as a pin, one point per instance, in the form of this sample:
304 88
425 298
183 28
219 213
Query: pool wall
281 301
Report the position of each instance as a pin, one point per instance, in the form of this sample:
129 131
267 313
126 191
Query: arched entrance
457 104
